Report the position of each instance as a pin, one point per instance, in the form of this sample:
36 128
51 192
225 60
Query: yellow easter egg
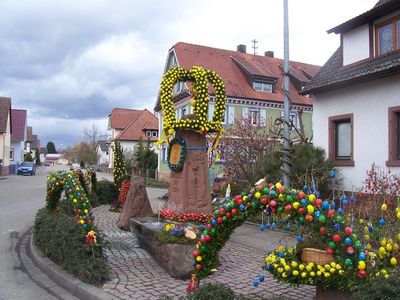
393 261
384 207
295 273
311 198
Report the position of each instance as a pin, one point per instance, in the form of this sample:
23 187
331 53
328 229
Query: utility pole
254 41
286 130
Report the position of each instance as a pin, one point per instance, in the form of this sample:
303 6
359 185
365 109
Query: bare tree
243 148
93 135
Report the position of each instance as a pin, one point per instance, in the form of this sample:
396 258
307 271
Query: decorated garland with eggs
199 79
69 183
350 260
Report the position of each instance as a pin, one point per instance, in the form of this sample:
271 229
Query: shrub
60 238
380 288
107 192
216 291
309 165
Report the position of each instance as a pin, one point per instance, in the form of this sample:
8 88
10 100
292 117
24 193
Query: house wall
18 148
5 145
103 156
369 104
271 114
356 45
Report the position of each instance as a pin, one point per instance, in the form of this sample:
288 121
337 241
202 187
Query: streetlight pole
286 130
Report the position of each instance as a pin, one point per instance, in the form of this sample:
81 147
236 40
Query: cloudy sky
70 62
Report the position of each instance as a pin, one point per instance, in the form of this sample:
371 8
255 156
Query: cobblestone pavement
136 275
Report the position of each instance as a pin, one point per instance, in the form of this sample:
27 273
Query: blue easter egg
242 207
352 198
272 193
314 188
336 226
273 225
340 211
370 228
281 254
262 227
267 267
305 188
325 205
299 238
303 202
348 241
361 256
268 225
261 278
317 214
382 222
332 173
255 282
333 204
214 222
287 226
345 202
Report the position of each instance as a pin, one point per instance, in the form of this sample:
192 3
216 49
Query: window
254 116
262 87
293 117
229 116
387 36
394 137
11 153
184 111
154 133
164 153
341 140
148 133
178 87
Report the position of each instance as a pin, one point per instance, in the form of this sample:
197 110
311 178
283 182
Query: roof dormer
260 78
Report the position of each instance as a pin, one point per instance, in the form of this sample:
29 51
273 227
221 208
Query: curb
75 286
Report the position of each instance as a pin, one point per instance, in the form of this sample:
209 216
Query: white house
128 127
102 152
356 95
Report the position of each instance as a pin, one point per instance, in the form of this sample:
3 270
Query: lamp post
286 159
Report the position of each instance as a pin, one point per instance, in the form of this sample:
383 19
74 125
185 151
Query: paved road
20 198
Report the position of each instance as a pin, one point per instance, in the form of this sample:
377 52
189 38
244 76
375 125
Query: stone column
189 189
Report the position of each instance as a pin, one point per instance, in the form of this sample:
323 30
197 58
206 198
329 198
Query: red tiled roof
232 66
5 109
122 117
18 117
141 120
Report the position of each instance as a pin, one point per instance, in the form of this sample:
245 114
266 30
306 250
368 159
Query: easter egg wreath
199 78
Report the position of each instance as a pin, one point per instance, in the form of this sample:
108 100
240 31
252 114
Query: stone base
330 294
176 259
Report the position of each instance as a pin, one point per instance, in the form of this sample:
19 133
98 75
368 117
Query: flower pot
331 294
316 256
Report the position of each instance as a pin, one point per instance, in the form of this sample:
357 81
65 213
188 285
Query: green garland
179 166
199 78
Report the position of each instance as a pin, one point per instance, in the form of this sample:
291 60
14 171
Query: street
20 199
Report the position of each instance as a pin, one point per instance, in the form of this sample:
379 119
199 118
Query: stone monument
137 204
189 189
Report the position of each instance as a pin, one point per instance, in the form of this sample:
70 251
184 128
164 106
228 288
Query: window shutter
245 112
210 111
263 117
231 114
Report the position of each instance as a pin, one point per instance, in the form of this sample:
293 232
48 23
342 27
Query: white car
75 166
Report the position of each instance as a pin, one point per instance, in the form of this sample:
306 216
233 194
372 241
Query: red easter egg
348 231
219 220
272 203
301 195
309 218
329 250
318 202
228 215
323 230
362 274
195 253
198 267
336 238
234 211
301 210
288 207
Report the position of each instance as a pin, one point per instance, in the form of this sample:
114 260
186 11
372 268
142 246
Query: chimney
269 53
241 48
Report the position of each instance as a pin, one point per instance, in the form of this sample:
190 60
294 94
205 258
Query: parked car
27 167
75 166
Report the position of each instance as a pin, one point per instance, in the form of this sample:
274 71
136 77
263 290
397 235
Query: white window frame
154 134
254 116
265 87
148 133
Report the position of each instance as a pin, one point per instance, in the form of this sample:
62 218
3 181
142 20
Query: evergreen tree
28 157
51 148
145 158
119 170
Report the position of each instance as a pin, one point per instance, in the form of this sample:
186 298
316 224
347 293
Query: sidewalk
136 275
